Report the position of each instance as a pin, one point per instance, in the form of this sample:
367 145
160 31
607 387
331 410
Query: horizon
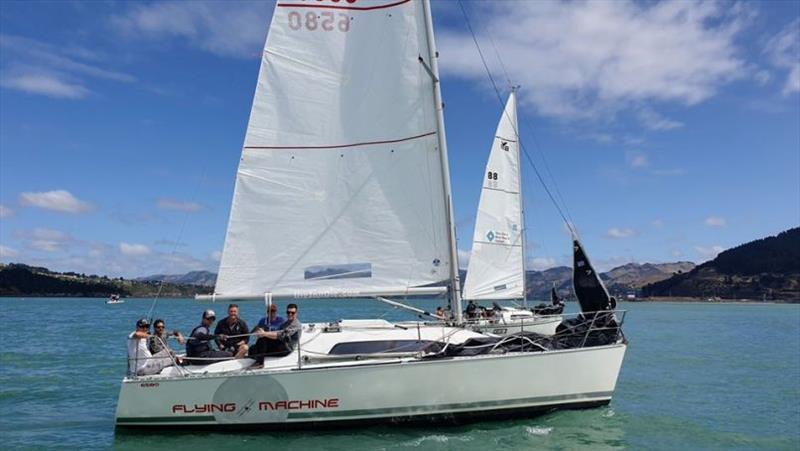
122 126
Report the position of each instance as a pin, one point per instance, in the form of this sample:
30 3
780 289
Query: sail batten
340 183
496 266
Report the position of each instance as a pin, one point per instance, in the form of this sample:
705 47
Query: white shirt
137 347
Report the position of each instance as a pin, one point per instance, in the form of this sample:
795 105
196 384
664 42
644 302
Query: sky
669 131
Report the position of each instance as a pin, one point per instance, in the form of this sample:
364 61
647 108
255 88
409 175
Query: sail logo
504 145
490 236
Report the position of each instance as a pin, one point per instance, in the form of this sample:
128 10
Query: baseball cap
143 322
209 314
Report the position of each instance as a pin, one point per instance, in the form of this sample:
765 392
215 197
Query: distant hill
620 281
633 276
202 278
766 268
17 279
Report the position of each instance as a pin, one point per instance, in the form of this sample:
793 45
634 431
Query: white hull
376 391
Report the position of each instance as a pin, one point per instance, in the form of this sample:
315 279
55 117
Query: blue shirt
275 324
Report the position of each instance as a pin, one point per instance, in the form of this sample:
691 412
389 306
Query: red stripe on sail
352 8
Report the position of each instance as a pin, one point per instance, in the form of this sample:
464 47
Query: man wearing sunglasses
281 342
141 361
158 340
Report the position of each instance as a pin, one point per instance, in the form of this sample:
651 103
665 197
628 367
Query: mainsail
340 187
589 288
496 266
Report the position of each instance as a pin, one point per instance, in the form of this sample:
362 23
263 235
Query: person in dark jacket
233 327
199 342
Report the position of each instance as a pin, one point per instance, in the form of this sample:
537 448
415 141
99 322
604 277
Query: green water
696 376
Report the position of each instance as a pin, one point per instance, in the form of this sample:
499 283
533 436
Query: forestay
340 182
496 265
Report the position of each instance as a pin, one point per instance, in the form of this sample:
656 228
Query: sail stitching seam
501 190
505 139
340 146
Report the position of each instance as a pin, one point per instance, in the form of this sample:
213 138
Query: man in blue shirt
272 321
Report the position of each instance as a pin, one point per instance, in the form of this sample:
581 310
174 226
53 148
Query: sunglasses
291 312
159 327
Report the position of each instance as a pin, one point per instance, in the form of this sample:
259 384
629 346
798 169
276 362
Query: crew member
270 322
199 342
141 361
158 340
281 342
233 328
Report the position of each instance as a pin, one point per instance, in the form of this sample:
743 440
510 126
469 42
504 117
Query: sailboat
343 191
496 270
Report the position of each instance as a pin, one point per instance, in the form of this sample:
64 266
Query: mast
521 203
437 98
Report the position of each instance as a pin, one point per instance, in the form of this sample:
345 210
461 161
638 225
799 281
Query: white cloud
715 221
676 253
762 77
46 84
172 204
708 252
134 250
637 160
542 263
655 121
236 29
783 51
6 212
216 256
658 223
58 200
586 59
45 240
56 71
7 252
615 232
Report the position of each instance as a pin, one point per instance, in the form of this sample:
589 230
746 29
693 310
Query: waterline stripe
448 408
174 419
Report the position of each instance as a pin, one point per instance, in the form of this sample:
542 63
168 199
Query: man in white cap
140 361
199 343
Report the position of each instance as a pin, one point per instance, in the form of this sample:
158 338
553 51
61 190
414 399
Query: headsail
340 184
589 288
496 266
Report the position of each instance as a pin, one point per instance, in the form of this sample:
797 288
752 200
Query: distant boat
496 269
114 299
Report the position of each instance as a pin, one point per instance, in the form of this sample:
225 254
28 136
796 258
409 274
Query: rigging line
176 243
497 54
531 130
500 99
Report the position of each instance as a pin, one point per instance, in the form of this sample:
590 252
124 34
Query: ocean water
696 376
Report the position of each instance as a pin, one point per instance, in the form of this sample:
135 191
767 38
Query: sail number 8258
326 21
